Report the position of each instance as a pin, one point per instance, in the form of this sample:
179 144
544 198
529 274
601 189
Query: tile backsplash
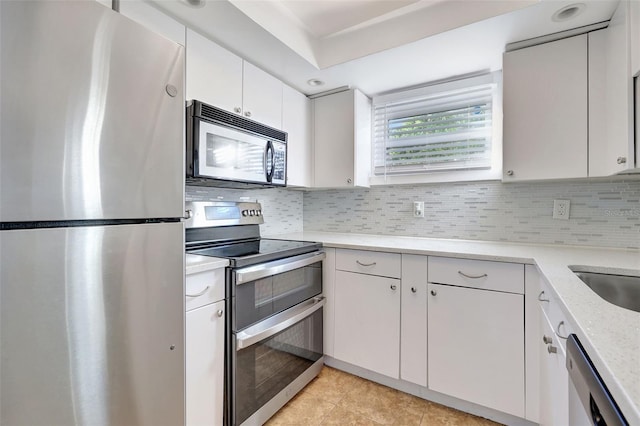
601 213
282 208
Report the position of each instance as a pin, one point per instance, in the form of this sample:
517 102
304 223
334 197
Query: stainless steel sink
621 290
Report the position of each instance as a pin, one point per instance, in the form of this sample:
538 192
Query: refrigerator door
92 114
92 325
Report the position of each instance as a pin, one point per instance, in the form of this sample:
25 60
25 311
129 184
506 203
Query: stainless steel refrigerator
91 195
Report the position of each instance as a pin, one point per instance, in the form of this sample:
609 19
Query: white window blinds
445 130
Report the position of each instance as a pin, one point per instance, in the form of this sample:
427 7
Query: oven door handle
268 269
277 323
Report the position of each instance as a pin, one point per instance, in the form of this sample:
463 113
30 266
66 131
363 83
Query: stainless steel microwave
227 150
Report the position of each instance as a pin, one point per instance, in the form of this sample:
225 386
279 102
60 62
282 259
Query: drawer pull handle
393 287
413 289
199 294
547 340
560 324
433 292
220 312
552 349
542 299
474 277
365 264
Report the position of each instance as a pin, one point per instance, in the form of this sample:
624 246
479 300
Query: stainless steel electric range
274 307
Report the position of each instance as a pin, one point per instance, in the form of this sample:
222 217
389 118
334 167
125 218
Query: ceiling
376 45
324 18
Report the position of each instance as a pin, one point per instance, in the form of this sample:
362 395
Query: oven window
257 300
265 368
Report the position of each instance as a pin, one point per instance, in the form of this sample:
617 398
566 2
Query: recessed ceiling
324 18
453 49
331 32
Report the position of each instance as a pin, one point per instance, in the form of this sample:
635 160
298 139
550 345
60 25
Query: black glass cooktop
257 251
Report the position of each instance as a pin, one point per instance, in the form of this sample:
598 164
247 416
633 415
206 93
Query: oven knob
258 212
245 212
252 212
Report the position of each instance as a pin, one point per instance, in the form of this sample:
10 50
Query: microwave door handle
268 150
273 161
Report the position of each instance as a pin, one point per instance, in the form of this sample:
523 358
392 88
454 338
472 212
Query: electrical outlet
418 209
561 209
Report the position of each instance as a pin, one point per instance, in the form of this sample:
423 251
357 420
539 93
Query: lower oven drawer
272 354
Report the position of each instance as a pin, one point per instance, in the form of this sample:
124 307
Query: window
446 127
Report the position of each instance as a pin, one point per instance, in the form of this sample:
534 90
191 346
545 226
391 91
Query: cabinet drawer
482 274
203 288
369 262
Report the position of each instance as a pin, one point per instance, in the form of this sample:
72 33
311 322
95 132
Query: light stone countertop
610 334
195 263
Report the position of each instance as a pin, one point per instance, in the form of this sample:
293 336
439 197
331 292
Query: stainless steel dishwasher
590 402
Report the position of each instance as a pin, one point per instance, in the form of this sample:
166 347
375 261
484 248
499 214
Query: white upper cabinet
611 141
545 111
147 15
261 96
296 121
611 148
342 140
634 36
218 77
214 75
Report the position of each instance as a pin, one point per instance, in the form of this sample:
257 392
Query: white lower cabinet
367 322
462 336
205 364
476 346
204 347
554 379
413 320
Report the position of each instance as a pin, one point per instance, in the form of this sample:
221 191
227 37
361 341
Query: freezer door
92 326
92 113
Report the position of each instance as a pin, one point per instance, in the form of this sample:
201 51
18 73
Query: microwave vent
208 112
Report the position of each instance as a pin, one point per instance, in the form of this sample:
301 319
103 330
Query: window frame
494 172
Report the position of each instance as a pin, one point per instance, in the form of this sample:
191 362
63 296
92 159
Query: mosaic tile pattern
603 213
282 208
338 398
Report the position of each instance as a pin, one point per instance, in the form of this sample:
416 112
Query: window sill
437 177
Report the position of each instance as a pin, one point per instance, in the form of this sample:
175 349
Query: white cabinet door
296 121
261 96
204 356
413 320
367 322
214 75
476 346
147 15
341 140
554 399
545 111
634 36
611 144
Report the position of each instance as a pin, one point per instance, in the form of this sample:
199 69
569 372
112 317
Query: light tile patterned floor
338 398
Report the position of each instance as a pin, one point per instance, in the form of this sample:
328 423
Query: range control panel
252 212
201 214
